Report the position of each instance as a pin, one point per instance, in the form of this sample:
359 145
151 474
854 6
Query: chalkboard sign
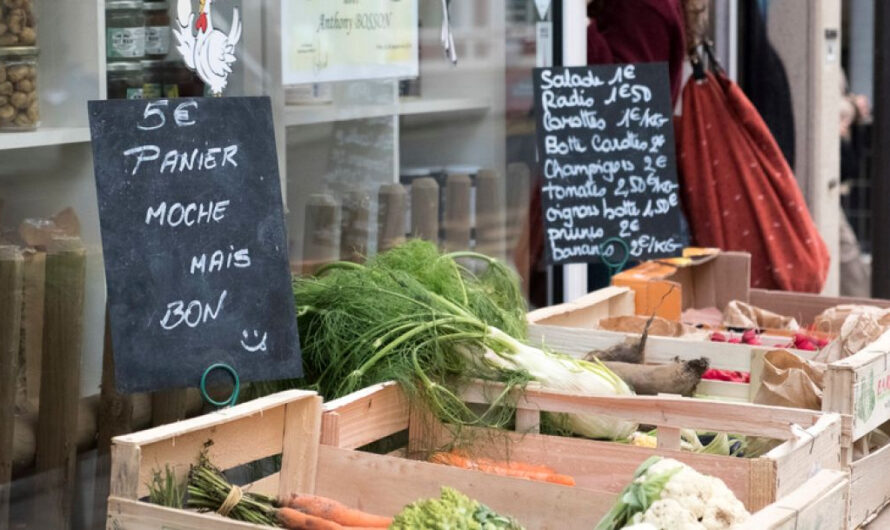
606 148
194 241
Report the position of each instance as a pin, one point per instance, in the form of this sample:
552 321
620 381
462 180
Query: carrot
296 520
334 511
508 469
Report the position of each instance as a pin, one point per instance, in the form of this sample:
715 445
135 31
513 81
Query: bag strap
698 62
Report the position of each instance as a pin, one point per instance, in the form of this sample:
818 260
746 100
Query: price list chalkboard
194 241
606 148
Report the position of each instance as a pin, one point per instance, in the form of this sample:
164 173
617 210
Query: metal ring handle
615 266
236 389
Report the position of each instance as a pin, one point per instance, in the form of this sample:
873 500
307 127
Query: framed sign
605 139
194 241
342 40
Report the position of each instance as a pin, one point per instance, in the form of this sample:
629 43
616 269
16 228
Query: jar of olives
18 25
19 105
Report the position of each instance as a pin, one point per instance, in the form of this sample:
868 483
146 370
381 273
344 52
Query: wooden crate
857 387
289 424
811 439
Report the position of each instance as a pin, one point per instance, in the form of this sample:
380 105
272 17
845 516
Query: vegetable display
668 495
453 511
428 321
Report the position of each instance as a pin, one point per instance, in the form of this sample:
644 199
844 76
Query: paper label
340 40
125 42
157 40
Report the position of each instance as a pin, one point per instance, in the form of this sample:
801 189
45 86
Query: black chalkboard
606 151
194 241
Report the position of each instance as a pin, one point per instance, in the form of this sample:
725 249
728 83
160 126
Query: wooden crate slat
820 503
735 418
299 461
816 449
385 484
864 393
723 390
869 487
206 421
265 486
125 463
587 310
383 409
134 515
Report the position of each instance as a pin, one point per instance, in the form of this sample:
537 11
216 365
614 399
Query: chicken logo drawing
207 51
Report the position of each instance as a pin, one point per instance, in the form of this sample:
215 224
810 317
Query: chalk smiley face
259 343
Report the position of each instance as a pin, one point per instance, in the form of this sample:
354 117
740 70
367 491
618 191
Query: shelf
415 106
310 114
44 136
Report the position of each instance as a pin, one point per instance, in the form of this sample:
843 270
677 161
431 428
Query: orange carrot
508 469
334 511
296 520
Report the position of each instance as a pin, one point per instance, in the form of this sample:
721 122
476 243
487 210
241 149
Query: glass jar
157 29
184 82
154 73
19 102
124 30
18 23
125 80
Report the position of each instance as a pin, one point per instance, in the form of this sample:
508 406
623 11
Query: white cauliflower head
691 489
668 513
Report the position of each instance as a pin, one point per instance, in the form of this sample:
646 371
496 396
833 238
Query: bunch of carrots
311 512
506 469
210 491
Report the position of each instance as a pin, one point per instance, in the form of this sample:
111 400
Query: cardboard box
701 279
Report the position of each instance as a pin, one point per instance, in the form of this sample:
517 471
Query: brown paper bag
743 315
832 319
858 331
790 381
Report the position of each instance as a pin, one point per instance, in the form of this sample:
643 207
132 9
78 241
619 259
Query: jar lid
124 66
19 50
155 6
123 4
414 172
462 169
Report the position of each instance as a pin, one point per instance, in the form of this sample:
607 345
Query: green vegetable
164 489
427 321
453 511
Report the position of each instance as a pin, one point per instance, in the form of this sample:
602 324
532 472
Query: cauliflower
453 511
669 495
669 513
691 490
